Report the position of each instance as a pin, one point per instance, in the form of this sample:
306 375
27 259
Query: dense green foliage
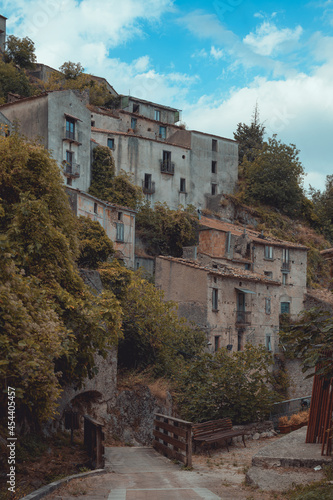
233 385
275 178
71 70
250 138
153 335
311 339
165 231
20 51
323 208
13 80
51 325
95 246
107 186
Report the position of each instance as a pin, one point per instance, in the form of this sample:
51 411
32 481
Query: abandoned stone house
117 221
171 164
235 284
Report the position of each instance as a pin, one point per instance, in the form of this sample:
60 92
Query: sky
214 60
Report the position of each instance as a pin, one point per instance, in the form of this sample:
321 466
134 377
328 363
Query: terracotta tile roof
207 223
328 252
224 270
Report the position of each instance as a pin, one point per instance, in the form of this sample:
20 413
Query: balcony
73 136
167 167
285 267
71 169
148 187
243 317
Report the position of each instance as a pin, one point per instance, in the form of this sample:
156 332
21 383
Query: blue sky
214 60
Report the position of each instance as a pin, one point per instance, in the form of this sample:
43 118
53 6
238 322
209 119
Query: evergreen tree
250 138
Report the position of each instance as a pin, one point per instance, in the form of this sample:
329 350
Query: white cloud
216 53
267 38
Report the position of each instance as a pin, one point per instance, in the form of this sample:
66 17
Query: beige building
118 222
235 284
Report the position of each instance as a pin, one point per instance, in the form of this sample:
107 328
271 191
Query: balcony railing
72 135
285 266
71 169
243 317
167 167
148 187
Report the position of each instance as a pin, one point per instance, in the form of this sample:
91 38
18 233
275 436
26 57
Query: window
70 157
120 216
182 185
269 274
110 143
214 167
136 108
214 145
214 189
157 115
248 267
69 181
92 123
216 343
120 232
70 129
166 165
268 252
285 255
284 278
228 242
285 307
240 340
268 305
268 342
215 299
147 181
133 123
95 208
163 132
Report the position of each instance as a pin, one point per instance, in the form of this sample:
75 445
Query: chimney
2 33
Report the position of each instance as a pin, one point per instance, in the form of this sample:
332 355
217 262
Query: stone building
60 121
118 222
235 284
171 164
3 20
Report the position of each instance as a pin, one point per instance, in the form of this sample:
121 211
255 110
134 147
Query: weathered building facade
60 120
118 222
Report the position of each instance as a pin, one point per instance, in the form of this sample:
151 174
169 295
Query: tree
13 80
310 339
39 277
250 138
323 208
95 246
71 70
153 335
275 177
107 186
20 51
234 385
165 231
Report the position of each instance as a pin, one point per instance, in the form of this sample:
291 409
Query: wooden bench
215 431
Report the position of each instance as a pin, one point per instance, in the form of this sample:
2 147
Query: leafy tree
233 385
41 279
311 339
153 335
95 246
165 231
13 80
323 208
71 70
275 177
20 51
250 138
107 186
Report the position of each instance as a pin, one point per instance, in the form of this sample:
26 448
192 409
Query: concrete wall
147 109
108 216
59 104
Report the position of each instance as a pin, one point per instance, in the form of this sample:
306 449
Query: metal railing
288 408
285 266
71 169
148 187
243 317
167 167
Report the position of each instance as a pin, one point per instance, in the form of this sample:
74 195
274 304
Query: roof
213 135
132 98
132 134
224 271
106 203
207 223
327 253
